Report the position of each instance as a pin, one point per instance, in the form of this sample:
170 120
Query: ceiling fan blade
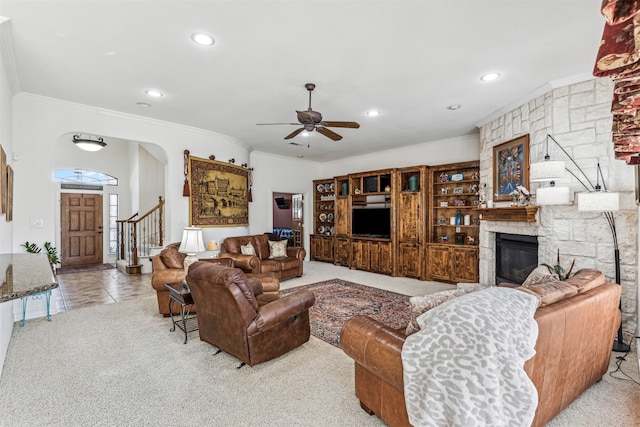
294 133
352 125
329 133
267 124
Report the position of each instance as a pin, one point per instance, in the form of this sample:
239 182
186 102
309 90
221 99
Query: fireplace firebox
516 257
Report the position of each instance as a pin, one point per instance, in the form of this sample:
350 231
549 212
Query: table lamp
191 244
213 248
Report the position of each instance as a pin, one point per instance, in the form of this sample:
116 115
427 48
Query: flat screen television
371 222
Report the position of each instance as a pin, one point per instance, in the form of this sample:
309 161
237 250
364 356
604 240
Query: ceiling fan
311 120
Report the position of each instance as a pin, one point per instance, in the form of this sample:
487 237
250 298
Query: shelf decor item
510 167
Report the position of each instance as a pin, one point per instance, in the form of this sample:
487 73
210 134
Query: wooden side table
180 294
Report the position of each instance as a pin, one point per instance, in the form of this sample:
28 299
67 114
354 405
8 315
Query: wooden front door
81 229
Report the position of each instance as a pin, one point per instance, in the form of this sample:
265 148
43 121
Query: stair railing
136 236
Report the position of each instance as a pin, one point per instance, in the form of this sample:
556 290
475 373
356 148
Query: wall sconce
89 144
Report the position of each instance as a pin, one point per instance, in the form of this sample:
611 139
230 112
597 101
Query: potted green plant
559 269
52 252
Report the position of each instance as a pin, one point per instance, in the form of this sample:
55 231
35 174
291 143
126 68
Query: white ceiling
407 59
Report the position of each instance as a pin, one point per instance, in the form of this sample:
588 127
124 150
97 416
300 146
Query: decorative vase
458 218
413 183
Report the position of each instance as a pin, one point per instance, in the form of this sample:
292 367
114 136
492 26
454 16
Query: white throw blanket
465 367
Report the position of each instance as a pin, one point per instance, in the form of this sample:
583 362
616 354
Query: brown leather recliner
235 317
168 267
283 267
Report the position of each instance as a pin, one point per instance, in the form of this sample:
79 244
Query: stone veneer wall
578 116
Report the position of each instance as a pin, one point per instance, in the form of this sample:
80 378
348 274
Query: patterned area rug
338 300
84 268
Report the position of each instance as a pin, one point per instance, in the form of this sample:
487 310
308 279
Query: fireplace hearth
516 257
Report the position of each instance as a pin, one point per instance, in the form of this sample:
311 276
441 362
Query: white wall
459 149
38 124
6 228
151 182
280 174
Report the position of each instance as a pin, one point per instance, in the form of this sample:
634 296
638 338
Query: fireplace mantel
509 213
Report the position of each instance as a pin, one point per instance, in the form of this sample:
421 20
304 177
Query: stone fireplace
579 117
488 255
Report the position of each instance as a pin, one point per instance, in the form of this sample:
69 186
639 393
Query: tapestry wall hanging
510 167
218 193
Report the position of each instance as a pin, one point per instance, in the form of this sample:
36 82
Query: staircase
140 238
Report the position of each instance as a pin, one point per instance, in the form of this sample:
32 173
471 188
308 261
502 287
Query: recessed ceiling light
202 39
143 104
300 156
454 107
154 93
373 113
489 77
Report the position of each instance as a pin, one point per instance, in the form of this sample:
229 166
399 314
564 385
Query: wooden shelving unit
321 239
452 251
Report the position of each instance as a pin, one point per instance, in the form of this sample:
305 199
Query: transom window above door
83 176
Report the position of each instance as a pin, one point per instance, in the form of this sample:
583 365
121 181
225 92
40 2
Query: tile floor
85 289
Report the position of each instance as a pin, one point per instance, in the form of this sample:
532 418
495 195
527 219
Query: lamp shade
192 242
552 196
212 245
598 201
548 170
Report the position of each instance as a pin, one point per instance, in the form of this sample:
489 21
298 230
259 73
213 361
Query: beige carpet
118 364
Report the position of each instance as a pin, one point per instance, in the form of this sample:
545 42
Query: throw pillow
422 304
171 257
550 292
247 249
539 274
277 249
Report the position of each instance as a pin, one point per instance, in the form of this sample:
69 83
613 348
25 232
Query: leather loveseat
573 348
236 317
284 267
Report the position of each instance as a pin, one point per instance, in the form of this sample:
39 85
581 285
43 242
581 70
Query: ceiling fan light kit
312 120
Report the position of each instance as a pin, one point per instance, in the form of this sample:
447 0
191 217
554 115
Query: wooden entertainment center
433 222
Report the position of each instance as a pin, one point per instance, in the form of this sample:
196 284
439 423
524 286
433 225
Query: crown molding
8 54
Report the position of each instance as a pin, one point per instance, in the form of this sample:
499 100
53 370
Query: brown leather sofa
236 317
283 267
572 352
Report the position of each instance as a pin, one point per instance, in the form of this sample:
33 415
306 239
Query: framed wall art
218 194
3 181
9 211
510 167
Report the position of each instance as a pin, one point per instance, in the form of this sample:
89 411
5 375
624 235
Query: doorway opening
287 217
